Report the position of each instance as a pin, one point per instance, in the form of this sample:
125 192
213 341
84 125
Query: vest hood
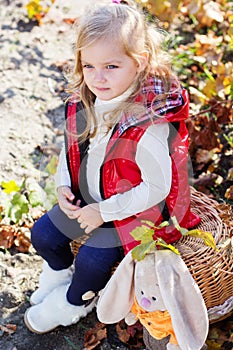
160 106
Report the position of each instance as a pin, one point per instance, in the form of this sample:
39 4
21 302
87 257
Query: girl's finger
78 203
88 229
83 225
70 215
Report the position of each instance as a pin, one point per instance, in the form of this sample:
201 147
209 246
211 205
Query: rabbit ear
116 299
183 300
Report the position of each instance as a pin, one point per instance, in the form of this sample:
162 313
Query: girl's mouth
101 89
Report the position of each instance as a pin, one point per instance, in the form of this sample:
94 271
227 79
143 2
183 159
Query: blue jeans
51 236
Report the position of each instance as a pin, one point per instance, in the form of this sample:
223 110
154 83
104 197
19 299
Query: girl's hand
89 217
65 199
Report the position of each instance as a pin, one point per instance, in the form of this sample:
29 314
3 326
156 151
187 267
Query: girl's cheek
86 76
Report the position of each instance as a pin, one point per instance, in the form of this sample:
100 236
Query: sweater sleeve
154 161
62 177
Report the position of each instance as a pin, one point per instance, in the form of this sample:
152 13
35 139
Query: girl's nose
99 75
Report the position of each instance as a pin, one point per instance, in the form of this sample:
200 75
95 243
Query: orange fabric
158 323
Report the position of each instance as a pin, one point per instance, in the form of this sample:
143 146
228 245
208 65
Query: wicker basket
212 270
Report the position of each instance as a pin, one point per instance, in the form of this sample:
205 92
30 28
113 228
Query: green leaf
15 213
51 198
142 233
182 230
140 251
19 206
163 224
208 73
50 188
10 186
20 199
35 199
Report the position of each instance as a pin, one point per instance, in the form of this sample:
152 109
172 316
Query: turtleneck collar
110 104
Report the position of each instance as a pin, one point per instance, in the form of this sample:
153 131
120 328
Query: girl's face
107 70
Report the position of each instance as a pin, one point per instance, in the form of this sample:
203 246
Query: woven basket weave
212 270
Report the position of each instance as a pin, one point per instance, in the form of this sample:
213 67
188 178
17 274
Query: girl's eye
87 66
111 66
153 298
142 292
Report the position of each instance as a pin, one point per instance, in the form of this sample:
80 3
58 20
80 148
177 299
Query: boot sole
27 323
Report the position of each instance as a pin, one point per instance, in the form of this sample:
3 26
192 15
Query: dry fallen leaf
130 335
94 336
22 242
69 20
7 236
229 193
12 235
8 328
203 156
122 332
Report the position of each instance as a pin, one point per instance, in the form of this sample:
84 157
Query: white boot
55 311
50 279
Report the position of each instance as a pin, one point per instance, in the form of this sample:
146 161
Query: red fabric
72 147
120 173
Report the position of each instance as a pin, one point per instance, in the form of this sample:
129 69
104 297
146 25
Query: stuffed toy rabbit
159 291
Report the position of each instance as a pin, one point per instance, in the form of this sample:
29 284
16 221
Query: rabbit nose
145 303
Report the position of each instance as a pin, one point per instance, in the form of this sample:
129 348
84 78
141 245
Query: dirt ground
31 115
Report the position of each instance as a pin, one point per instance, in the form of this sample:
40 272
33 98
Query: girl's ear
116 299
142 61
183 300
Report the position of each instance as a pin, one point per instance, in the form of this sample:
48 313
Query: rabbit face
161 270
147 289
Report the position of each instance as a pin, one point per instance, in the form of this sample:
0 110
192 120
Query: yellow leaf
218 68
10 186
51 167
34 8
210 88
167 246
226 81
206 236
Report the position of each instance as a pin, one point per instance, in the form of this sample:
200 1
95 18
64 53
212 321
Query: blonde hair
125 22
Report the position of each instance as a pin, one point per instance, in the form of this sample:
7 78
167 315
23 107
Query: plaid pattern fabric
156 101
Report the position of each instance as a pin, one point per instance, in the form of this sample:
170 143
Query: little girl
124 160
